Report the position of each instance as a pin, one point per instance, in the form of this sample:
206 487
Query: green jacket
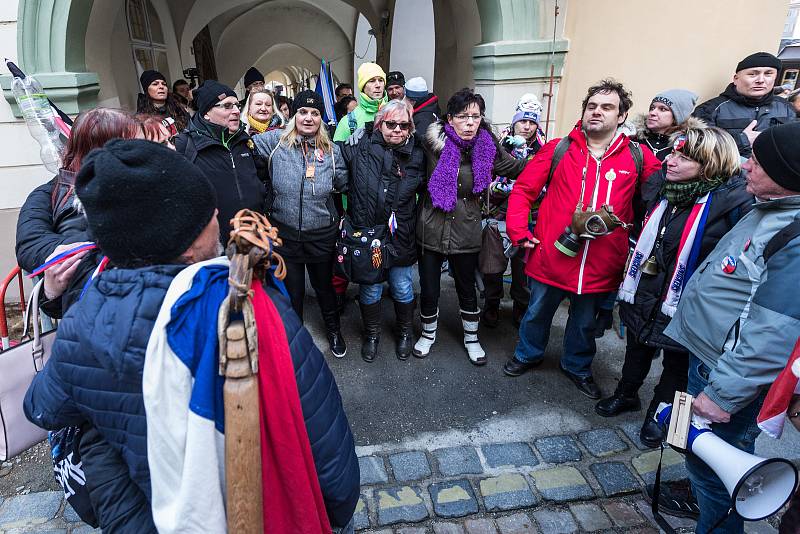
743 324
458 231
364 113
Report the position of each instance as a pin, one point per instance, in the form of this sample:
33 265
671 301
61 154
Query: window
790 76
791 22
147 38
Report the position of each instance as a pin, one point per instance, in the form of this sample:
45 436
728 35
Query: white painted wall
364 49
413 39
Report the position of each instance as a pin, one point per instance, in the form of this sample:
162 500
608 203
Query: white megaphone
758 487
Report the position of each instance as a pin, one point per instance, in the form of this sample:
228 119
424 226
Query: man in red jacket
599 168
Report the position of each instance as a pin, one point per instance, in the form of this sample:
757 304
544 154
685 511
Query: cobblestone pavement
585 482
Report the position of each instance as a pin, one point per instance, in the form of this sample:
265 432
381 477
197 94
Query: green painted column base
517 60
72 92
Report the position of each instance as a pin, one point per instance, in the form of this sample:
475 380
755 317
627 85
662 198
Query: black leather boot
334 333
371 318
404 317
620 402
651 433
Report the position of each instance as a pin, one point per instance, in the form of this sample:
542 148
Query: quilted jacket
94 376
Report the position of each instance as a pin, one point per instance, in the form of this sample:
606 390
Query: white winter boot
469 321
429 325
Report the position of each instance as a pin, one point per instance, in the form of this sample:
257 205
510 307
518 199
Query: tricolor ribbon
392 223
61 258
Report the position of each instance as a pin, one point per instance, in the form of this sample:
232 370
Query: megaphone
758 487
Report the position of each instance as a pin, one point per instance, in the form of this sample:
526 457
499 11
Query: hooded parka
381 178
611 179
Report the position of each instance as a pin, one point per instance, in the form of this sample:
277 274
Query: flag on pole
325 90
773 413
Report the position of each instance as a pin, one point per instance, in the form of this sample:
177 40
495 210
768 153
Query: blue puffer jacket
94 376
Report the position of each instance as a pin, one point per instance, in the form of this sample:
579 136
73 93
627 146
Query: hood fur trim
435 137
638 122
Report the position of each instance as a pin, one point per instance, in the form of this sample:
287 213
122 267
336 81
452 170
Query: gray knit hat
680 101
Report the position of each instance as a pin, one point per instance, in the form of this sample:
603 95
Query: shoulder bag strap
781 239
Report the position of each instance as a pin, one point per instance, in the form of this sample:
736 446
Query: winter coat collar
214 133
619 141
376 137
731 93
792 202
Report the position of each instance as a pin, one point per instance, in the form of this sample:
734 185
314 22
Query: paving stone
516 524
615 478
675 522
631 430
33 508
410 465
758 527
555 521
506 492
361 515
590 517
39 529
402 504
411 530
458 461
384 531
454 498
372 470
602 442
673 466
623 514
70 515
558 449
447 528
509 454
86 529
480 526
562 484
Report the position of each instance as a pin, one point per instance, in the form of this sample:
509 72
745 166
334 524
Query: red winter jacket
599 265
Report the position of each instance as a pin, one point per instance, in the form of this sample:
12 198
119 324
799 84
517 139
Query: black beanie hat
308 99
209 94
252 75
148 77
145 203
777 150
395 78
759 59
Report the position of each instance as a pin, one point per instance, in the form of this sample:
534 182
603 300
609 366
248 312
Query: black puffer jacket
94 376
44 224
426 112
729 203
382 178
232 165
733 113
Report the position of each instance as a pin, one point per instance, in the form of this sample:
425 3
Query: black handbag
364 255
68 471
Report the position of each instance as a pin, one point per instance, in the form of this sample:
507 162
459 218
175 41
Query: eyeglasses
464 117
393 125
227 106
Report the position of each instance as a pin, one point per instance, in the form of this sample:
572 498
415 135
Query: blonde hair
713 148
290 137
260 91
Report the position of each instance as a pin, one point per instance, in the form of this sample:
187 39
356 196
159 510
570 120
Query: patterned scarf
443 185
686 193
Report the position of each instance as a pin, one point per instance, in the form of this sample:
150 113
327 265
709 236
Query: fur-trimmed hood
637 125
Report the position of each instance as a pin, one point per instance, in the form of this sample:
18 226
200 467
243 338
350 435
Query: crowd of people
673 214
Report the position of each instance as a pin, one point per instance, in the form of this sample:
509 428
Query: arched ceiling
242 47
282 55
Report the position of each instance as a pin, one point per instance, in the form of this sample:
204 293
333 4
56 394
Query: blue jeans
579 343
401 286
741 432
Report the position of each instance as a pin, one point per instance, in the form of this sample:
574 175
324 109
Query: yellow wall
651 45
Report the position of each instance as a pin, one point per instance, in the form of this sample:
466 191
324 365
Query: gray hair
392 107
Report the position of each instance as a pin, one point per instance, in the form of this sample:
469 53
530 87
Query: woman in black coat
701 188
387 166
157 100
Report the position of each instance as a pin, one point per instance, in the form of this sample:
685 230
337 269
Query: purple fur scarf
443 185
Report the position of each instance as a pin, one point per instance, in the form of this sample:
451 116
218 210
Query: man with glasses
216 142
596 166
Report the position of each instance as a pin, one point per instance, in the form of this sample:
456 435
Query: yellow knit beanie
367 71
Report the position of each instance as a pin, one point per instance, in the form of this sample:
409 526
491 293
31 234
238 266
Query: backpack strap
781 239
189 149
558 154
638 157
352 122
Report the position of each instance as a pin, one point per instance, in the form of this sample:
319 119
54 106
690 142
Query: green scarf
686 193
369 105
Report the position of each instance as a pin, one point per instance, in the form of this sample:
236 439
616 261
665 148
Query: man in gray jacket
747 106
740 313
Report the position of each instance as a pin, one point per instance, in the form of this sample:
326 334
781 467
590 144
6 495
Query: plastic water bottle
40 119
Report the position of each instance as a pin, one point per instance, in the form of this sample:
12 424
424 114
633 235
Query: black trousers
639 357
430 274
493 285
320 275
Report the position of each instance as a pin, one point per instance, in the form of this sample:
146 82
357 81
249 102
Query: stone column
514 57
51 46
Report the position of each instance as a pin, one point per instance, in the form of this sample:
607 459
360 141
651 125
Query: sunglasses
393 125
